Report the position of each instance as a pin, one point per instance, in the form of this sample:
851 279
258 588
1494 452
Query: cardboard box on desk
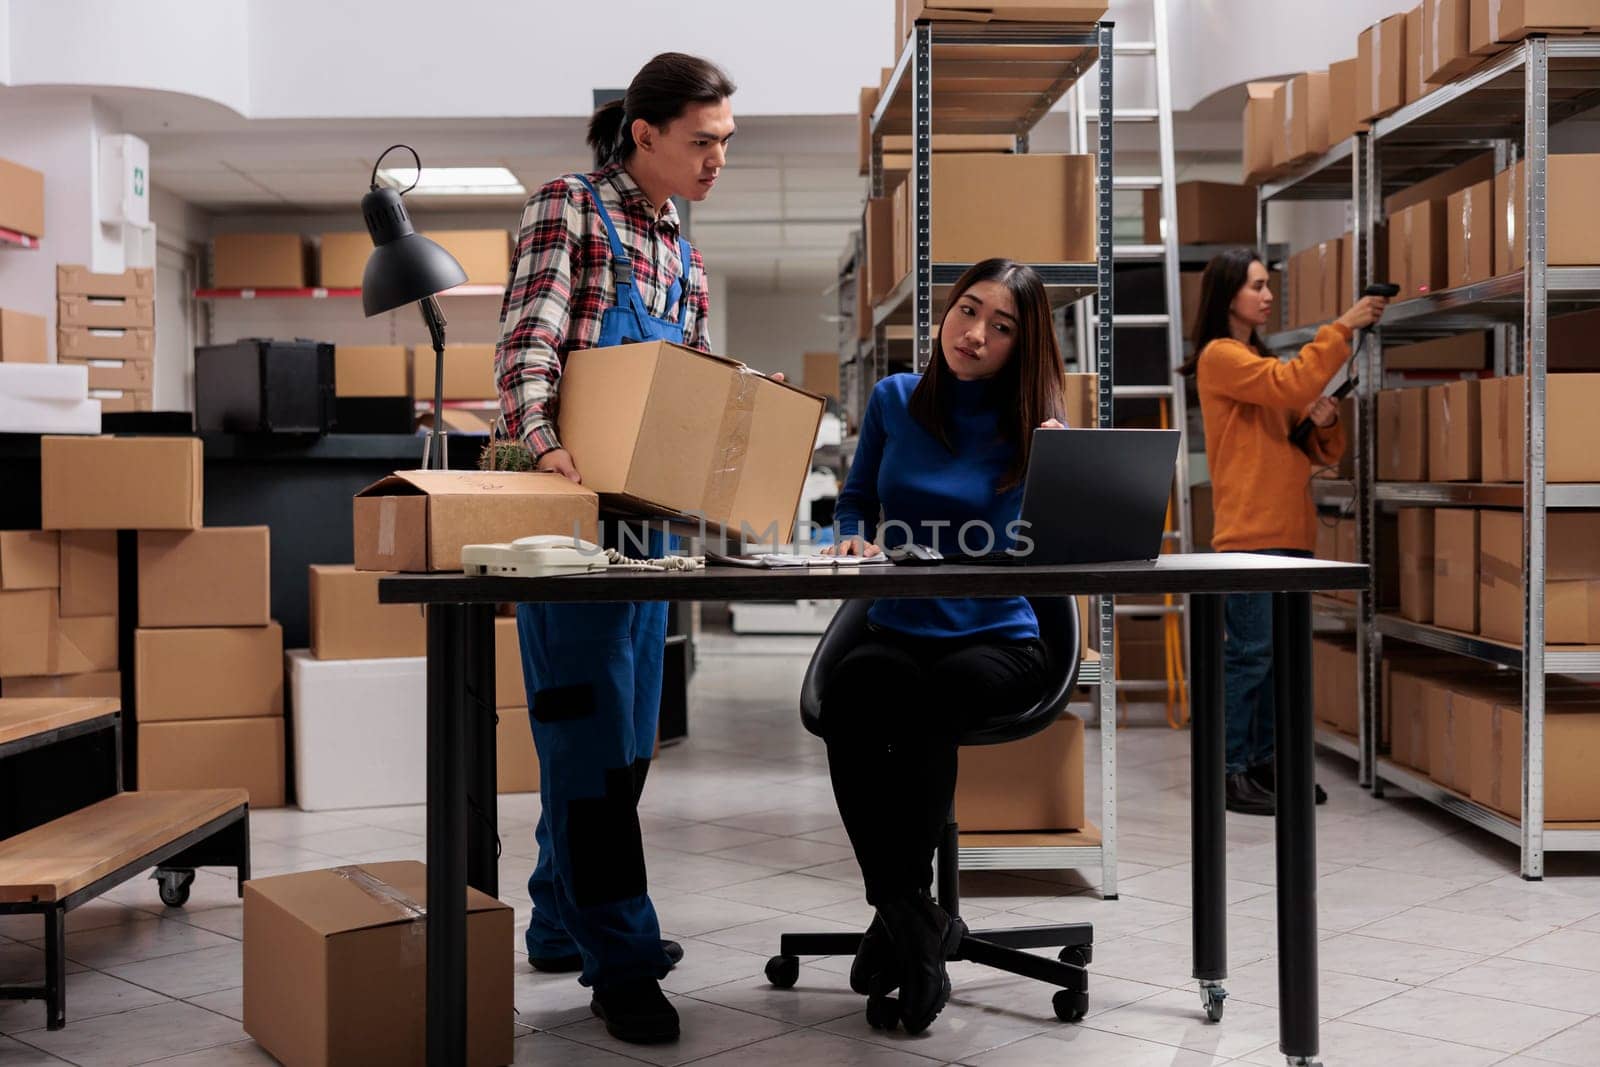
1455 569
1259 132
348 622
216 672
1572 234
1342 96
21 199
259 261
1380 68
334 968
120 483
93 312
56 686
668 429
75 280
1455 452
1571 746
1032 784
1497 23
360 731
417 521
89 573
1300 119
128 343
1572 433
214 754
484 254
1416 563
1572 577
30 559
1208 213
1470 242
23 337
216 576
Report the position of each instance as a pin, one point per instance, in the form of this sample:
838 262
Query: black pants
892 711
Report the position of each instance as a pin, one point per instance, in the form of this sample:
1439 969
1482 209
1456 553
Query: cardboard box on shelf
216 576
93 312
1333 667
1572 577
1447 40
1445 703
516 760
115 400
1331 272
1573 341
1208 213
342 259
672 430
1342 119
81 342
1032 784
867 104
1470 227
376 370
1259 132
27 632
1441 185
1497 23
24 338
1346 292
1463 351
484 254
1572 236
1415 84
1572 434
85 644
1080 398
1065 11
1455 452
89 573
1418 249
1058 228
1402 435
900 232
132 375
259 261
1300 118
218 672
55 686
360 731
75 280
1380 68
1405 714
820 376
1416 563
1571 739
214 754
21 199
1189 300
30 559
334 968
468 372
1455 569
347 622
883 254
120 483
417 521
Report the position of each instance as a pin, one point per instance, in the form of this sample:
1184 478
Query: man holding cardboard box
600 262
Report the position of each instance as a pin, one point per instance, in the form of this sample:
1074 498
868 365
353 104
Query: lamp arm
434 317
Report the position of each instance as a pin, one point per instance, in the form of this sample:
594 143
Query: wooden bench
52 868
27 724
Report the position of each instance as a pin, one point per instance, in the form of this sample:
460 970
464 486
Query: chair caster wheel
1070 1007
783 971
1077 955
173 885
883 1013
1211 999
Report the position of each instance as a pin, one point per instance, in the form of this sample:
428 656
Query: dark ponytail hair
659 93
1225 275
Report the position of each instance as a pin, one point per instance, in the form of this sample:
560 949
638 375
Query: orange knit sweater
1260 481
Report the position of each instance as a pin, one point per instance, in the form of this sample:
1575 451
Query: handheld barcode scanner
1302 430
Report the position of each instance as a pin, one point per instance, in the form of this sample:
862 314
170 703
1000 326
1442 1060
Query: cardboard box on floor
55 686
30 559
1497 23
417 521
1032 784
1380 68
1572 434
1208 213
1469 219
1333 668
347 622
1464 351
1571 747
24 338
1572 577
1416 563
1402 435
516 760
216 672
1455 569
120 483
360 731
214 754
21 199
75 280
1572 235
1447 40
334 968
89 573
27 632
376 370
1259 132
259 261
468 372
1455 426
216 576
667 429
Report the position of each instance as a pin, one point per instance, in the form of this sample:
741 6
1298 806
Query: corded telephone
543 555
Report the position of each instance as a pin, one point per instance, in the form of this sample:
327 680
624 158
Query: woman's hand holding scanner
1323 412
1364 312
852 546
559 460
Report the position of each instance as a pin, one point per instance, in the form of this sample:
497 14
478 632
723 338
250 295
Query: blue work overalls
593 674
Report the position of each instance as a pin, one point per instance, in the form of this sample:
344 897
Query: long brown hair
659 93
1028 389
1225 275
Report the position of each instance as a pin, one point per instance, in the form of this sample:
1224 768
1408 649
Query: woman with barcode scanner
1260 467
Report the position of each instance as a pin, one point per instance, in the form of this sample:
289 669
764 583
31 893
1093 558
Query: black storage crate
264 386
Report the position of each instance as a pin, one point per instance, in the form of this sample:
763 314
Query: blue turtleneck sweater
907 485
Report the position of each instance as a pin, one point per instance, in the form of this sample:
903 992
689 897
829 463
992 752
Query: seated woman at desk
940 460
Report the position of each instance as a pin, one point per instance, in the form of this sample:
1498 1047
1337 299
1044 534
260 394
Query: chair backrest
1058 630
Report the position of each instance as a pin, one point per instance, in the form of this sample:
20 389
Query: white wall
772 329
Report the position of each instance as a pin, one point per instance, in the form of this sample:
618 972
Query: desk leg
483 840
1296 829
1208 812
448 646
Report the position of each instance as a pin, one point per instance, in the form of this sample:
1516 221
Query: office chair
1000 949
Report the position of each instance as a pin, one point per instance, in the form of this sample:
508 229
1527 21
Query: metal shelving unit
958 78
1508 108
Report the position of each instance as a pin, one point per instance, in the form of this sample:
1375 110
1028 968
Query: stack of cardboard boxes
58 614
338 260
107 323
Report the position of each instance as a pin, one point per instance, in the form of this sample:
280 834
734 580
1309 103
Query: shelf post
1365 207
922 191
1105 368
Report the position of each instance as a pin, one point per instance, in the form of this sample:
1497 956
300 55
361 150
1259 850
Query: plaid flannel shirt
562 283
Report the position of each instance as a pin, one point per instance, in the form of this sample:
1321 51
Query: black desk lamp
407 268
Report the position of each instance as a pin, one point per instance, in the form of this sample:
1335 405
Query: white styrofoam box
44 381
22 415
360 729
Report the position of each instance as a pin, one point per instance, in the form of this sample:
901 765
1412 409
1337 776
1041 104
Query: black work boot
1245 796
636 1012
1265 775
574 963
876 971
924 937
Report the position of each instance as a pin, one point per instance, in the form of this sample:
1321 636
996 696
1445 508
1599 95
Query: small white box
44 381
360 729
20 415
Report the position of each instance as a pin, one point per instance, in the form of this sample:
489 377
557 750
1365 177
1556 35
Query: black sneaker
1265 775
636 1012
574 963
1246 797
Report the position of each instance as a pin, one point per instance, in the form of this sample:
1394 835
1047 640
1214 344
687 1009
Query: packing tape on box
1504 441
1498 570
1432 62
411 912
1466 238
388 520
1288 118
1513 248
722 484
1377 67
1494 20
1497 751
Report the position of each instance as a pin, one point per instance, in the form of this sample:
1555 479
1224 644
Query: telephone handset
543 541
535 557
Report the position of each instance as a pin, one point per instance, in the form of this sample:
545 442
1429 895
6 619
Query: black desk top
1197 573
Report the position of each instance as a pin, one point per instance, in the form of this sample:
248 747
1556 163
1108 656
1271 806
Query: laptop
1093 496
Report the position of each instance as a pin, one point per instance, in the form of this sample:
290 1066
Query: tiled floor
1434 951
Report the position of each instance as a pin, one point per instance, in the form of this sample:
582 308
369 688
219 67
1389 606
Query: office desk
461 732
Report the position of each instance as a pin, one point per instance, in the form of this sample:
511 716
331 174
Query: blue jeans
1247 674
